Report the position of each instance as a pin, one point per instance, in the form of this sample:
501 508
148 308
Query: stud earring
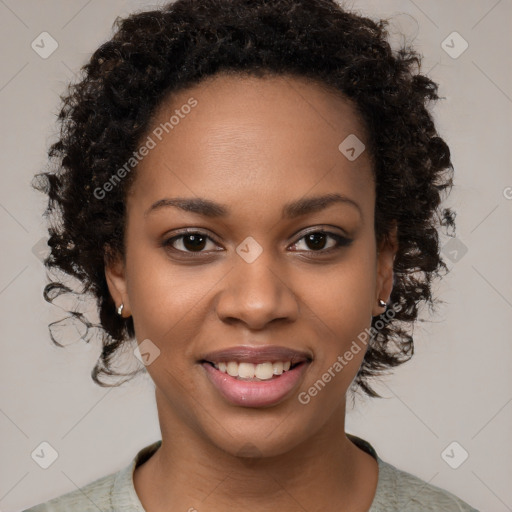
382 303
120 310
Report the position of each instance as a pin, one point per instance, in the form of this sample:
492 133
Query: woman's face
270 261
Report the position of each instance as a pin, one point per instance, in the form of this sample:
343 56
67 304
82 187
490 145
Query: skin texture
253 145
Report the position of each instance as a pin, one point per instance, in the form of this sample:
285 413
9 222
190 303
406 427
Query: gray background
456 388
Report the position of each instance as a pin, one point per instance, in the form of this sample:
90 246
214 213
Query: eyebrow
209 208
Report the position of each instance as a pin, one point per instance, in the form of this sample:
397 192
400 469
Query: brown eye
189 242
194 242
319 241
316 241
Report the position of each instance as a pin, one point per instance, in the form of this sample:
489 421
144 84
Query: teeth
246 370
232 368
278 368
262 371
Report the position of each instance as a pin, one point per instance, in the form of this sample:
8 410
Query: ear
115 273
386 253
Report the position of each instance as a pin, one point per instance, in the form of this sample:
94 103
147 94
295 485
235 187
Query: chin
253 438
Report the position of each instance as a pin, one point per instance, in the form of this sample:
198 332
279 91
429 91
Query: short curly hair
105 114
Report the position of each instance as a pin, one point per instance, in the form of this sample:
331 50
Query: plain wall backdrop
457 388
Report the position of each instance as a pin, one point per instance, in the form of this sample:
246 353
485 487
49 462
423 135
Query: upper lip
256 355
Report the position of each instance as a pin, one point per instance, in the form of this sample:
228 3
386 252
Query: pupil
314 238
197 242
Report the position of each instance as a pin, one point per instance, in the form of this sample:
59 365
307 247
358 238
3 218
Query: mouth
251 372
255 376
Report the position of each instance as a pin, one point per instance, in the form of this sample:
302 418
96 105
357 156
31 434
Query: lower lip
255 393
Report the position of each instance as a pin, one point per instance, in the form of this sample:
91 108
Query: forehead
247 134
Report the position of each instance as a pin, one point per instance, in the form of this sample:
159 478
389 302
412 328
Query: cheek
343 295
161 294
342 302
170 302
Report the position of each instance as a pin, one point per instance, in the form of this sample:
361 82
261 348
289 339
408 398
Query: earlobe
116 281
385 261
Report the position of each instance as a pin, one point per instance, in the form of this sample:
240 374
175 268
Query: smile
255 377
250 371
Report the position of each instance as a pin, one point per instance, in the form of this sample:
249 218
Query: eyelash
341 241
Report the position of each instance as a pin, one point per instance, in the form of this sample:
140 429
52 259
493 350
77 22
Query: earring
382 303
120 309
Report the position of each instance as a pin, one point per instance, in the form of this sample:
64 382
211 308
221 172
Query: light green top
397 491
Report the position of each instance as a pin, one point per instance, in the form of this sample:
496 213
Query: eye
196 242
190 242
318 241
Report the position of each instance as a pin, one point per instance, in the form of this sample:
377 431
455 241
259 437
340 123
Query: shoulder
109 493
399 490
89 498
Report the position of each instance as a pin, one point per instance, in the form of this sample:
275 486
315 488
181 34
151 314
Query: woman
252 191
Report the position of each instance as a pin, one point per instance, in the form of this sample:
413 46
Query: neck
328 472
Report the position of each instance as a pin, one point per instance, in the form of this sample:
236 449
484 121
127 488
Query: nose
256 294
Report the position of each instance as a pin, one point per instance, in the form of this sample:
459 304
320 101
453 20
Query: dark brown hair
153 53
